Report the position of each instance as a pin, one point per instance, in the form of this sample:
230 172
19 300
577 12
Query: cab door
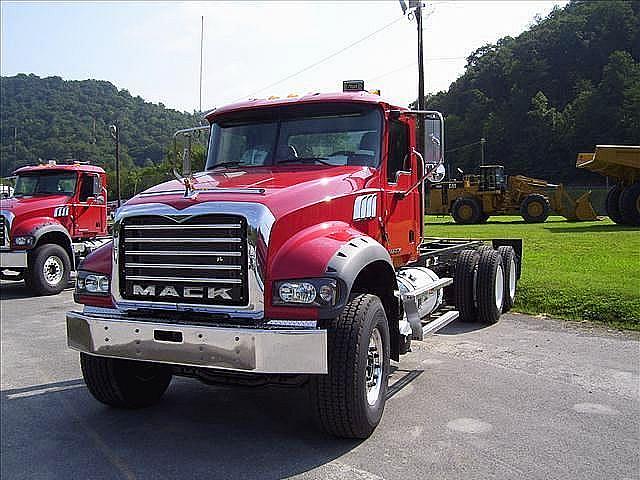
90 208
401 210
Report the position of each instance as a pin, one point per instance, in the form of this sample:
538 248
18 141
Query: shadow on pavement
458 327
59 431
10 290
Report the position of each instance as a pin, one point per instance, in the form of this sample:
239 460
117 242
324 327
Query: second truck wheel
49 270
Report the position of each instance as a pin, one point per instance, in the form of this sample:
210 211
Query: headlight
321 292
25 241
88 283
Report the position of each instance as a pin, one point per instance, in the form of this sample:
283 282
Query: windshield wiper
305 159
230 163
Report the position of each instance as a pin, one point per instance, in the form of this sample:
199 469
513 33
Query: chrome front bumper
9 260
236 349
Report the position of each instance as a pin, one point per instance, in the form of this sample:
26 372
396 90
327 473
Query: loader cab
492 178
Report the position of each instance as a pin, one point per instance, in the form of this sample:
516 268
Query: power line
322 60
464 146
413 64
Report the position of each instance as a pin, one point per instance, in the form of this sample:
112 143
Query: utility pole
201 48
482 142
115 134
421 106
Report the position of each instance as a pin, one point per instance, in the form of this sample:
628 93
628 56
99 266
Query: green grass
573 270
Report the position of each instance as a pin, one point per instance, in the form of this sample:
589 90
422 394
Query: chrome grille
4 234
184 259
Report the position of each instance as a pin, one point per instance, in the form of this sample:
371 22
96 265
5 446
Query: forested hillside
569 82
49 118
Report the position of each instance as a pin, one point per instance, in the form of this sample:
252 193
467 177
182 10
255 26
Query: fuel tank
414 279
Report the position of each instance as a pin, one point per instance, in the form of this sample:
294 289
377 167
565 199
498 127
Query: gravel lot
527 398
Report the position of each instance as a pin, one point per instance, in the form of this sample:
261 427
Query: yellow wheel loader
623 164
477 197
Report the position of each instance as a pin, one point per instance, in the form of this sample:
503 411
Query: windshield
50 183
336 134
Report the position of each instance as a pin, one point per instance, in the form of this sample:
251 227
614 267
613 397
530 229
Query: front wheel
350 399
124 383
534 208
49 270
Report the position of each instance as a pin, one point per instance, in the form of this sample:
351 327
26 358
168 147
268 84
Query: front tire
124 383
630 204
612 205
349 401
534 208
49 270
466 211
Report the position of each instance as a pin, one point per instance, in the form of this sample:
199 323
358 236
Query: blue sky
152 48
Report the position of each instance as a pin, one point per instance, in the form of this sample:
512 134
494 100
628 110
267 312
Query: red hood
36 206
282 189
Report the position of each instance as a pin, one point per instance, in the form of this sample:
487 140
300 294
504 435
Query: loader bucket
580 209
584 209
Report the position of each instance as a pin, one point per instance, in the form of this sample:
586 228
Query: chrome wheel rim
374 367
512 279
53 270
499 287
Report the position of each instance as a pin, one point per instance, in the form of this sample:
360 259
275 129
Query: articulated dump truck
621 163
299 256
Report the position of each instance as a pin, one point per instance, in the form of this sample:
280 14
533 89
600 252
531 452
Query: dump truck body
622 163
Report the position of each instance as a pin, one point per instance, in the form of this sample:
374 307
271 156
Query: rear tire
490 286
630 204
510 266
124 383
464 285
534 208
49 270
612 205
466 211
349 401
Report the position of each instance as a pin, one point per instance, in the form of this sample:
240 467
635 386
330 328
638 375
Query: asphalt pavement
528 398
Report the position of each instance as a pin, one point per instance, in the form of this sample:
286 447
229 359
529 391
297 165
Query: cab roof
74 167
310 98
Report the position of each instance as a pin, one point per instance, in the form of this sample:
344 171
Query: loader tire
510 265
464 285
466 211
124 383
630 205
490 286
349 400
49 270
534 208
612 205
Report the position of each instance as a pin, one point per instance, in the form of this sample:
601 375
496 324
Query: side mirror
433 146
188 134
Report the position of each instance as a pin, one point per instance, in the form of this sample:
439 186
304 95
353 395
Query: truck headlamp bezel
308 292
23 241
91 283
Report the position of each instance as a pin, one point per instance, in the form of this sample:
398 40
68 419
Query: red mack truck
298 256
56 217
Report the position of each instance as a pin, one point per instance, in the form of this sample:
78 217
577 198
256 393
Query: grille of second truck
3 234
202 259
